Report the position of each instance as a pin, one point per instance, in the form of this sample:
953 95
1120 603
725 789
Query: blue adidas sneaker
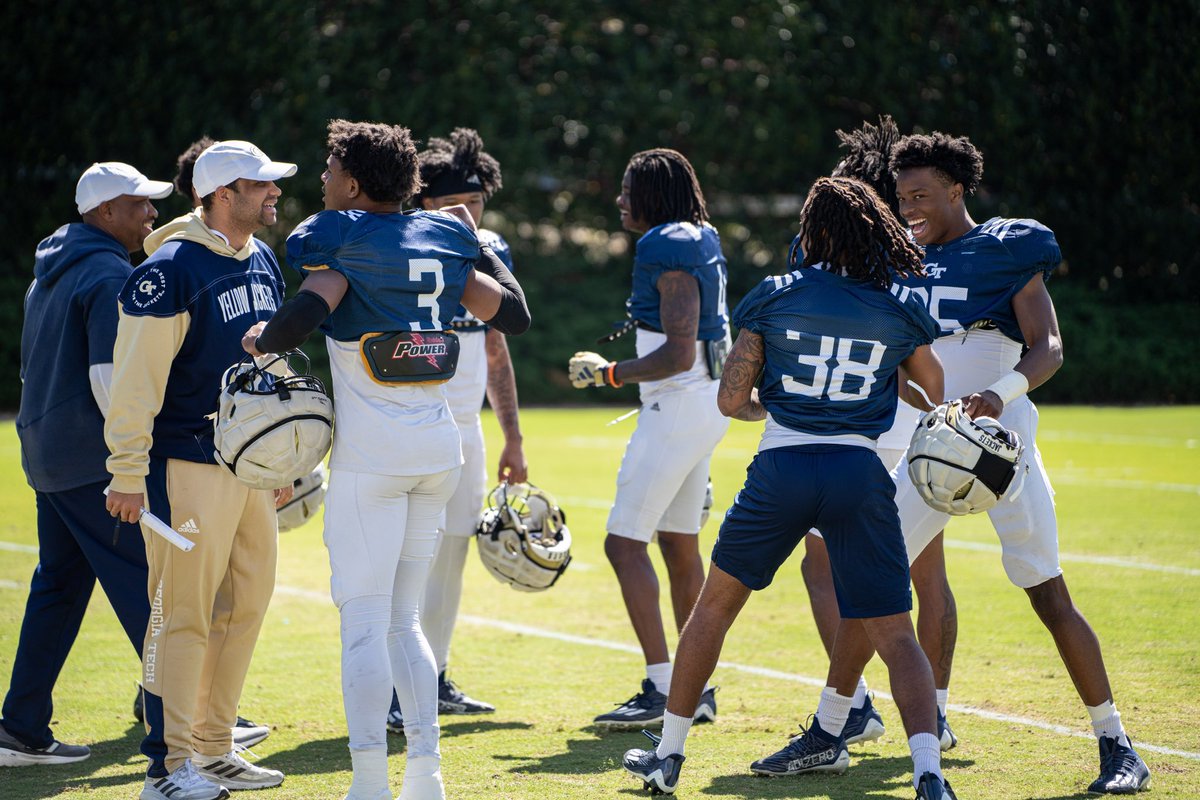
864 724
1122 770
946 736
659 775
812 750
931 787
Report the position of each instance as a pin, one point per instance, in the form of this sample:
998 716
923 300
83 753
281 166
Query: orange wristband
610 375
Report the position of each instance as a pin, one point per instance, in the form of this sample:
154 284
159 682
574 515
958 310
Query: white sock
370 772
660 676
926 755
832 711
674 734
860 694
1106 721
943 697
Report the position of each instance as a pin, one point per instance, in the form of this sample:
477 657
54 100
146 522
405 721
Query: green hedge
1084 111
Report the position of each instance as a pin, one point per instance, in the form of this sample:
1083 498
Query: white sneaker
182 784
384 794
423 787
234 772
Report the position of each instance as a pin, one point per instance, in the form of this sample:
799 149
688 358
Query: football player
457 171
985 284
832 347
383 286
678 307
867 158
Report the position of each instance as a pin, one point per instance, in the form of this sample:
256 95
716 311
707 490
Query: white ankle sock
674 734
943 697
832 711
660 675
1106 721
860 694
926 755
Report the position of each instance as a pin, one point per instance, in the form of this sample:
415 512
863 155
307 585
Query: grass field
1128 483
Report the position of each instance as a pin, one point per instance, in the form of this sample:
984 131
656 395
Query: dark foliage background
1085 112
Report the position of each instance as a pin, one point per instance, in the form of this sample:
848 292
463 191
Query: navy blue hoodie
70 325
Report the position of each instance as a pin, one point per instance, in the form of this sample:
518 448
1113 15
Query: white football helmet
961 465
523 538
272 430
308 492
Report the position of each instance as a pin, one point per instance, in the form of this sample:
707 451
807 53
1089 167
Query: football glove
591 369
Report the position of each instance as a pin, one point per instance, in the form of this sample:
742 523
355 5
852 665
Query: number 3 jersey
831 347
406 272
969 287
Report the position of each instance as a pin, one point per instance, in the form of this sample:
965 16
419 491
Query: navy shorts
842 490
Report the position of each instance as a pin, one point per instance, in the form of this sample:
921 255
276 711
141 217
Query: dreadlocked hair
462 153
846 225
954 157
663 188
382 158
185 166
868 150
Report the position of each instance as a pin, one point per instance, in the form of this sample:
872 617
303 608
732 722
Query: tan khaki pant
207 605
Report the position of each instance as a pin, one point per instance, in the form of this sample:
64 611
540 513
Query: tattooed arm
679 309
737 396
502 396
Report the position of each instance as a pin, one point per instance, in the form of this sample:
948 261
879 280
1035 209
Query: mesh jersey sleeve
1032 245
316 241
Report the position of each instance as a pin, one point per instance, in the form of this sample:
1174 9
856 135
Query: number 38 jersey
406 272
831 346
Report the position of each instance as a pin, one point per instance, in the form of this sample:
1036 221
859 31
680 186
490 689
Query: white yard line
762 672
750 669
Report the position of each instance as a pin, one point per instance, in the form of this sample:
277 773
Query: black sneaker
931 787
1122 770
15 754
245 733
706 709
946 736
451 700
395 717
646 708
864 724
659 775
811 750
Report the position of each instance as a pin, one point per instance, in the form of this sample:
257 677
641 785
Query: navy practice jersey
971 281
406 271
693 249
832 346
488 238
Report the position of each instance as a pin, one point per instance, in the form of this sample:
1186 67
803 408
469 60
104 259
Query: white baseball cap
100 183
225 162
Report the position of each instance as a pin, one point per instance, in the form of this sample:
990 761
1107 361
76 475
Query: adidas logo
189 526
655 407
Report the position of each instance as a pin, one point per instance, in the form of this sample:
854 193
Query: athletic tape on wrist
1010 387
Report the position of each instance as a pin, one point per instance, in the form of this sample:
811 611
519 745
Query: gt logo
149 289
934 271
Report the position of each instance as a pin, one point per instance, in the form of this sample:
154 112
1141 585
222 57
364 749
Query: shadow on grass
589 756
35 782
869 776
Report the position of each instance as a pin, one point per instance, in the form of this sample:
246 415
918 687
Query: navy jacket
70 324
